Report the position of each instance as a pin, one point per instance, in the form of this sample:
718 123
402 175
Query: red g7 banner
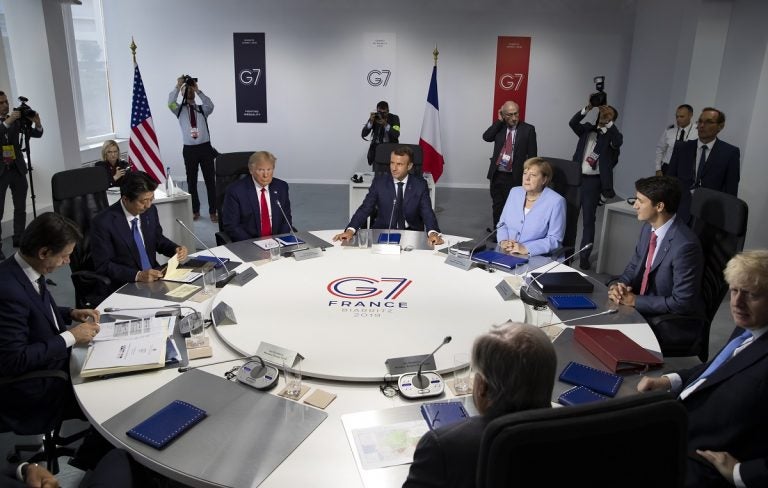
511 83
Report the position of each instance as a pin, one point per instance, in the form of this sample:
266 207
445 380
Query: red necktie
266 226
507 149
192 116
648 263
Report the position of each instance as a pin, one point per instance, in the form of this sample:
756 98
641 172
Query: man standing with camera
193 120
13 169
384 126
598 152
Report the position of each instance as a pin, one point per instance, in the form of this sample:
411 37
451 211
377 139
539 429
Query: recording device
378 116
536 298
230 274
189 81
599 98
26 110
123 164
423 385
357 178
258 374
184 369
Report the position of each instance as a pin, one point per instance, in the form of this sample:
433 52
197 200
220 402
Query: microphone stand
423 385
301 252
610 311
539 300
230 274
388 247
465 262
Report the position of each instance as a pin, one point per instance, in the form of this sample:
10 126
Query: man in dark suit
252 206
385 127
514 371
34 334
13 169
597 152
126 237
514 142
708 162
664 274
410 195
727 397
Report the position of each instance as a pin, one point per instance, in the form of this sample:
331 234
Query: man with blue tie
126 237
257 206
402 200
727 398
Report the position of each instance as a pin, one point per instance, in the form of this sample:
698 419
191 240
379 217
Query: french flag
430 132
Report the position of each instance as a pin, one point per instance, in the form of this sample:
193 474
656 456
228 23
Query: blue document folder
288 240
571 302
167 424
389 238
593 378
440 414
579 395
498 259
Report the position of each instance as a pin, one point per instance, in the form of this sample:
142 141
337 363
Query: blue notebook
289 240
499 259
571 302
167 424
389 238
578 395
440 414
594 379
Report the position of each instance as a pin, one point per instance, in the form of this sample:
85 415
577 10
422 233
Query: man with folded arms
514 371
402 201
664 274
727 397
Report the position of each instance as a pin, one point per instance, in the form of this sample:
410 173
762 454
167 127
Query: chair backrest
566 180
720 222
79 194
384 150
230 167
598 444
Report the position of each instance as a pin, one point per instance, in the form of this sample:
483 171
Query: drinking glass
292 378
461 377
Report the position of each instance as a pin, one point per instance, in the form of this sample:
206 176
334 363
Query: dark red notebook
614 349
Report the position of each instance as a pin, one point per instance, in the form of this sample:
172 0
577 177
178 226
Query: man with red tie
664 274
257 206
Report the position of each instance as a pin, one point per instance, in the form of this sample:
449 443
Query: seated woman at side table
110 160
534 216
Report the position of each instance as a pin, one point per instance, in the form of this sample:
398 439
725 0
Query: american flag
143 150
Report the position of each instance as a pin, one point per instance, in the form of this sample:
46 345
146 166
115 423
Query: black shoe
584 263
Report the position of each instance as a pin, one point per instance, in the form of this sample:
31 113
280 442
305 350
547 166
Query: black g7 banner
250 77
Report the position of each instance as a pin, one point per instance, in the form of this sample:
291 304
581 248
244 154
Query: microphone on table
230 274
465 261
391 215
538 299
610 311
423 385
299 247
256 374
184 369
485 239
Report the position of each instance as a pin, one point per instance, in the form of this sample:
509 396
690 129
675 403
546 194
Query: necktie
702 160
266 226
648 263
507 149
682 135
140 245
725 355
45 296
400 215
192 116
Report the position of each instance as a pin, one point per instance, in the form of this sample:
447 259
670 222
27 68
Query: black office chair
230 167
79 194
636 441
384 151
720 222
566 180
53 445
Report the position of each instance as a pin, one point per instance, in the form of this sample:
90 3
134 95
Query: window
90 79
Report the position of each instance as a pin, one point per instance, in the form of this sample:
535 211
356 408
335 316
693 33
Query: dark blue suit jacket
113 249
721 170
242 219
29 341
675 279
525 147
417 206
727 413
607 146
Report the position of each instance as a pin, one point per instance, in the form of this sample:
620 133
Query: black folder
565 282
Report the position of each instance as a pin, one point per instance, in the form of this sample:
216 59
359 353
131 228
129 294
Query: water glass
209 282
196 329
274 253
461 377
292 378
363 238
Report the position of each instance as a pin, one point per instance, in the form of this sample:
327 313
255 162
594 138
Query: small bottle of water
168 181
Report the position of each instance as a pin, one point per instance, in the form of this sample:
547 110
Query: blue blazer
721 170
542 230
675 279
242 218
607 147
727 413
29 341
113 249
417 206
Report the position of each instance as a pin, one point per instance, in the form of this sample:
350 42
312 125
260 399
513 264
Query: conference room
318 73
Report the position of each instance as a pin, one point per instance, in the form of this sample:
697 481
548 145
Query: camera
188 80
377 116
599 98
25 110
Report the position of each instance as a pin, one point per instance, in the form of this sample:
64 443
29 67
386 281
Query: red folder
614 349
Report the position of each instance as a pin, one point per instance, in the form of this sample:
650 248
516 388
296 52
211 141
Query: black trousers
590 197
17 182
201 155
501 185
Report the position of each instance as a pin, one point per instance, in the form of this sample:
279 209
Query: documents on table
183 291
180 275
267 244
388 445
128 345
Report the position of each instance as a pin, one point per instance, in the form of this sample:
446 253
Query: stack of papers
179 275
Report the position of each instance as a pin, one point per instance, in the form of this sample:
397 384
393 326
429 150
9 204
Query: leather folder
441 414
579 395
565 282
595 379
167 424
615 350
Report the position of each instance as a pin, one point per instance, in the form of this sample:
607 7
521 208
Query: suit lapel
714 154
664 246
147 227
252 197
34 296
744 359
124 231
277 215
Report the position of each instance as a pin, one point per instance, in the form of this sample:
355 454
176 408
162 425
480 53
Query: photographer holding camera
13 169
197 140
598 152
384 126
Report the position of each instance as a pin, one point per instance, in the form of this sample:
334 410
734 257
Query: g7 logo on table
358 287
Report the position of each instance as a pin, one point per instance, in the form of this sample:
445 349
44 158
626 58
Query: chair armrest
681 319
44 373
91 277
222 238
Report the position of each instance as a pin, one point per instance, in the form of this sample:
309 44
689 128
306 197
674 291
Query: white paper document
180 275
267 244
128 345
388 445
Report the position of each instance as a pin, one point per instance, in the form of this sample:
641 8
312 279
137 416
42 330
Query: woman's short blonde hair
105 147
544 167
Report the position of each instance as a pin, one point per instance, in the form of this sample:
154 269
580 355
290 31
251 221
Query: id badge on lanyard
9 154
